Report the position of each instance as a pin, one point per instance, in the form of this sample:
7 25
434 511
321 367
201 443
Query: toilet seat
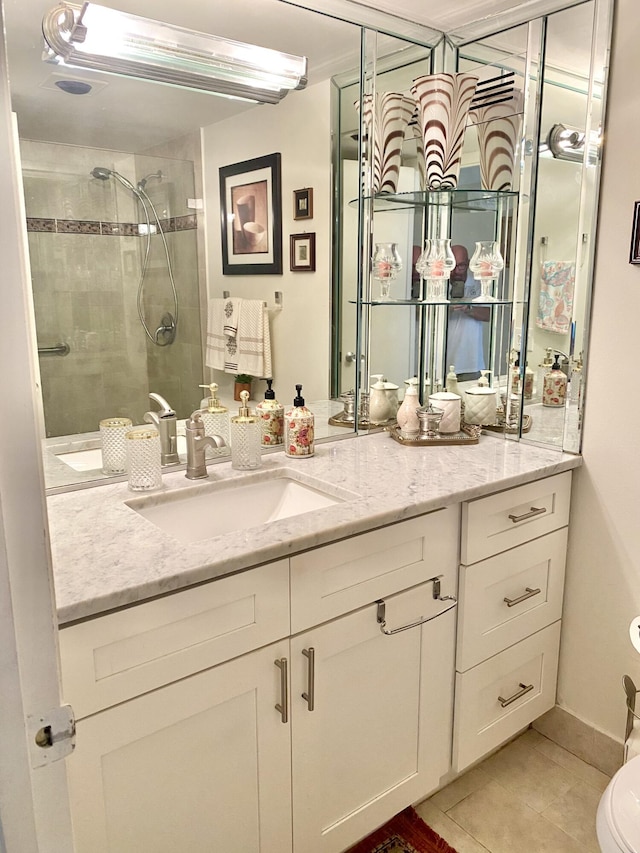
622 807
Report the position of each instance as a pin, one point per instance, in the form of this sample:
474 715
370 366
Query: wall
603 577
298 128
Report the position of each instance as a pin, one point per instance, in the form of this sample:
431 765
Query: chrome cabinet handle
309 696
283 706
525 688
511 602
535 510
380 615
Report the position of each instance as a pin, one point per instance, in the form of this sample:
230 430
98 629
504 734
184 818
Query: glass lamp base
436 290
486 294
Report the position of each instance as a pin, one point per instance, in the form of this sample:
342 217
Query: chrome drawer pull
380 616
283 706
511 602
535 510
310 654
526 688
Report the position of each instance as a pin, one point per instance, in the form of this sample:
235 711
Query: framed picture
251 217
303 203
634 254
303 252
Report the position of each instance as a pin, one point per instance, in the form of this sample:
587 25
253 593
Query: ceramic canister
480 406
450 405
407 416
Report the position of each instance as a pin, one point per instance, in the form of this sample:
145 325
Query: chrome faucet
197 443
165 422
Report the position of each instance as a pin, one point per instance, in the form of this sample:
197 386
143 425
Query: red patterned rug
404 833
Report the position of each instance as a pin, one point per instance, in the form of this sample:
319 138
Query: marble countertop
106 555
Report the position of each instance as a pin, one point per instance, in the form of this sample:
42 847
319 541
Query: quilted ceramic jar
480 406
450 405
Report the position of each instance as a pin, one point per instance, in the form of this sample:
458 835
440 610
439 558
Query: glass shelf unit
462 199
392 303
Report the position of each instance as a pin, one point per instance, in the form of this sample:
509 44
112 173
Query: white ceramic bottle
215 418
407 415
299 428
271 415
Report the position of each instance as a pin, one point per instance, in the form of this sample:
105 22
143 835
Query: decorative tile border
189 222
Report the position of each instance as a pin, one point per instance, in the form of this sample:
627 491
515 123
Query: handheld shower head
102 173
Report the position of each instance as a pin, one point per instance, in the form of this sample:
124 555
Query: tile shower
86 255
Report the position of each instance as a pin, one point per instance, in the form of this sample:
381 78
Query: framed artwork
303 252
251 217
303 203
634 254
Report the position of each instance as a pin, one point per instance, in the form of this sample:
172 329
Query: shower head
102 173
142 183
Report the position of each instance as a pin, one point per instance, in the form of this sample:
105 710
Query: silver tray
469 434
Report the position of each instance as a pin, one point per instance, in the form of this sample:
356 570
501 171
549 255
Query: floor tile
530 775
575 813
460 788
504 824
571 762
446 828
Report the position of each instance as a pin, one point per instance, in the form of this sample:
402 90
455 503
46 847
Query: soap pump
452 381
245 437
215 418
554 388
271 415
298 428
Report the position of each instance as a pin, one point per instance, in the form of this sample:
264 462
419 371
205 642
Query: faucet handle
165 409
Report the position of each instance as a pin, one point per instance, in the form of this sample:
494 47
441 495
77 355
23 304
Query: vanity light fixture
93 36
567 143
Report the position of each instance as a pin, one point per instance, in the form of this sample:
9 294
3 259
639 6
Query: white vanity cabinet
191 738
513 551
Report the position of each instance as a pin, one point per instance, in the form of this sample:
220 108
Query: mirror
104 329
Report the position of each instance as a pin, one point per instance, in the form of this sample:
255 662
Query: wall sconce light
92 36
568 143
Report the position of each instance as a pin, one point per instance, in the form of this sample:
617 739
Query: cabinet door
199 765
379 736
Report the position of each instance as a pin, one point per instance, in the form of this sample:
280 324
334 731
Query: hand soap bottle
554 388
215 418
271 416
245 437
298 428
452 381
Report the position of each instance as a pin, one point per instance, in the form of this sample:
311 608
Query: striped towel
555 305
231 314
253 339
216 338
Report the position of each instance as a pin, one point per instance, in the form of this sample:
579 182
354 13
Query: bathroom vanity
254 687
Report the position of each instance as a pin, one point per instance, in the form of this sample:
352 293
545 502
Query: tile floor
530 797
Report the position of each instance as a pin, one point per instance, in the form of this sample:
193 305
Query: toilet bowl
618 817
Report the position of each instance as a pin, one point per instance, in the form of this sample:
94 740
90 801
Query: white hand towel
253 339
231 314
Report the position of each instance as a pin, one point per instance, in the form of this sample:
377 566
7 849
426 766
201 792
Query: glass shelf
455 199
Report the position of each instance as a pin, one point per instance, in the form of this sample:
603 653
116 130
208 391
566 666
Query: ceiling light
92 36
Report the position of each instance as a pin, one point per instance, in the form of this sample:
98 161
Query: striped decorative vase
394 112
444 101
499 129
371 131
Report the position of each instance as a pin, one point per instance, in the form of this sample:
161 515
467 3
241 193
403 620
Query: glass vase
486 264
435 265
387 263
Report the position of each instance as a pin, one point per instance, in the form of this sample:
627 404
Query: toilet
618 817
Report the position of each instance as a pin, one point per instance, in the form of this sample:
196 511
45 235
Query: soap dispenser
245 437
215 418
543 368
298 428
554 388
452 381
271 415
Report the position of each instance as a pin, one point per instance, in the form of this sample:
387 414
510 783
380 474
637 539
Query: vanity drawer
343 576
501 696
115 657
530 576
498 522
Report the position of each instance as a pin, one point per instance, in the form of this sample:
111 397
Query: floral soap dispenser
271 415
298 428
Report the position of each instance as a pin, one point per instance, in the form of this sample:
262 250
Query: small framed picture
303 252
303 203
634 254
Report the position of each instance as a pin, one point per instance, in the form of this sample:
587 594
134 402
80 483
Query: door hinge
52 735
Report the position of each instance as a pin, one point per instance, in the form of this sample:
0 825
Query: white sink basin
206 511
90 459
